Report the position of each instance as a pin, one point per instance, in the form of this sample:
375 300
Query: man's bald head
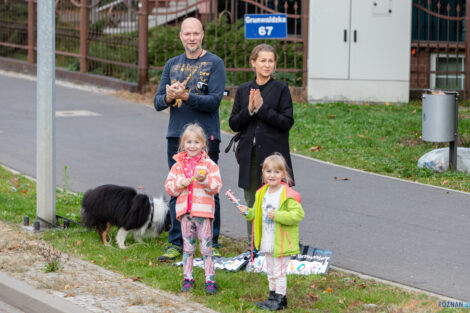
191 36
191 22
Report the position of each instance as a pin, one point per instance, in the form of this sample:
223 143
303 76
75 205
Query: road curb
29 299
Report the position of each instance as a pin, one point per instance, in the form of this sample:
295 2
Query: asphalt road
409 233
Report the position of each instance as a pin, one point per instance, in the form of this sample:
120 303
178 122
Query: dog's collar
151 213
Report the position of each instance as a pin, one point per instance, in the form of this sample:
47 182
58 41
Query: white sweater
271 201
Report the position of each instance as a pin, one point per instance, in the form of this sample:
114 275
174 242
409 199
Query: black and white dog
112 205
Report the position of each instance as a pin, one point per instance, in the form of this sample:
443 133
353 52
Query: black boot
271 297
279 303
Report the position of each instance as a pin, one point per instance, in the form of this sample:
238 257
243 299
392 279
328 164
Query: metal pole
467 50
143 43
453 144
31 29
45 107
84 27
305 13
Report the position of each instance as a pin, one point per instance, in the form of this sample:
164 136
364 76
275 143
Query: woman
263 114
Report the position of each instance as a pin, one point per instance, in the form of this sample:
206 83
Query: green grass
383 139
334 292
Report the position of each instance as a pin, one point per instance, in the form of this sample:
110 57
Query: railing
440 58
132 39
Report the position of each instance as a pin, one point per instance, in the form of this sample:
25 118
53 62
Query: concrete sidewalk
31 300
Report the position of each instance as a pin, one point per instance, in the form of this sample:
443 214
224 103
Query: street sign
265 26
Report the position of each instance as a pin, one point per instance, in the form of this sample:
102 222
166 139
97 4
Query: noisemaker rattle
232 198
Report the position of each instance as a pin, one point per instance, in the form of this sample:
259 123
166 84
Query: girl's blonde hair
277 161
197 131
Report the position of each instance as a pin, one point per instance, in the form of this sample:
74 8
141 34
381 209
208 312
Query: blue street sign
265 26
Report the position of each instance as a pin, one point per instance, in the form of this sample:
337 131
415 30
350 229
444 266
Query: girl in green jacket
276 215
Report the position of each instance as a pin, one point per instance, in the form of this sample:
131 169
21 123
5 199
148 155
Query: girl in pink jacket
194 179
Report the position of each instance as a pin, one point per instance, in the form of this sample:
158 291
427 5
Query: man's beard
196 49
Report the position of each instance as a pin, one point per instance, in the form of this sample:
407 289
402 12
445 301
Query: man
192 85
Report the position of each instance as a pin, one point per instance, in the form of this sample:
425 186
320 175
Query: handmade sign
228 264
308 261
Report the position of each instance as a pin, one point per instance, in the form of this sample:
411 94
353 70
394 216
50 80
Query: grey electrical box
440 114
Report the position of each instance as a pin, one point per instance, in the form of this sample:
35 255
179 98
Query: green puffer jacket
287 218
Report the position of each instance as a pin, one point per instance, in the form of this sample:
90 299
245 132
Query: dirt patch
23 256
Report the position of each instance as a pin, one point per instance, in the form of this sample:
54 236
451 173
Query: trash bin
440 116
440 120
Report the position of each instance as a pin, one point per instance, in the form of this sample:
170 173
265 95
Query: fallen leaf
69 295
329 290
315 148
331 116
313 286
137 278
150 263
140 187
93 261
445 182
414 111
314 297
66 287
344 178
387 104
362 136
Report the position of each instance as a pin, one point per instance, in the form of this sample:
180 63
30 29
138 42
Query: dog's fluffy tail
139 213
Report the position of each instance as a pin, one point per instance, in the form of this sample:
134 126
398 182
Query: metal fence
439 54
132 39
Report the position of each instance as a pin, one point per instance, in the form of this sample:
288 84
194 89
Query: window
447 71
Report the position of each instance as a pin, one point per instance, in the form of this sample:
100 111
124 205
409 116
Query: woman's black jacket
268 128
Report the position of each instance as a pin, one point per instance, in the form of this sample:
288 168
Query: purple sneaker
187 285
211 288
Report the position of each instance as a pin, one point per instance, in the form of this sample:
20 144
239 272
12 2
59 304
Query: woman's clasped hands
255 101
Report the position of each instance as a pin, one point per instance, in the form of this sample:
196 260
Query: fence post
31 31
143 65
306 43
84 28
467 50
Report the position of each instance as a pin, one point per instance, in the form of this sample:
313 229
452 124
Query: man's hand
180 91
170 94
